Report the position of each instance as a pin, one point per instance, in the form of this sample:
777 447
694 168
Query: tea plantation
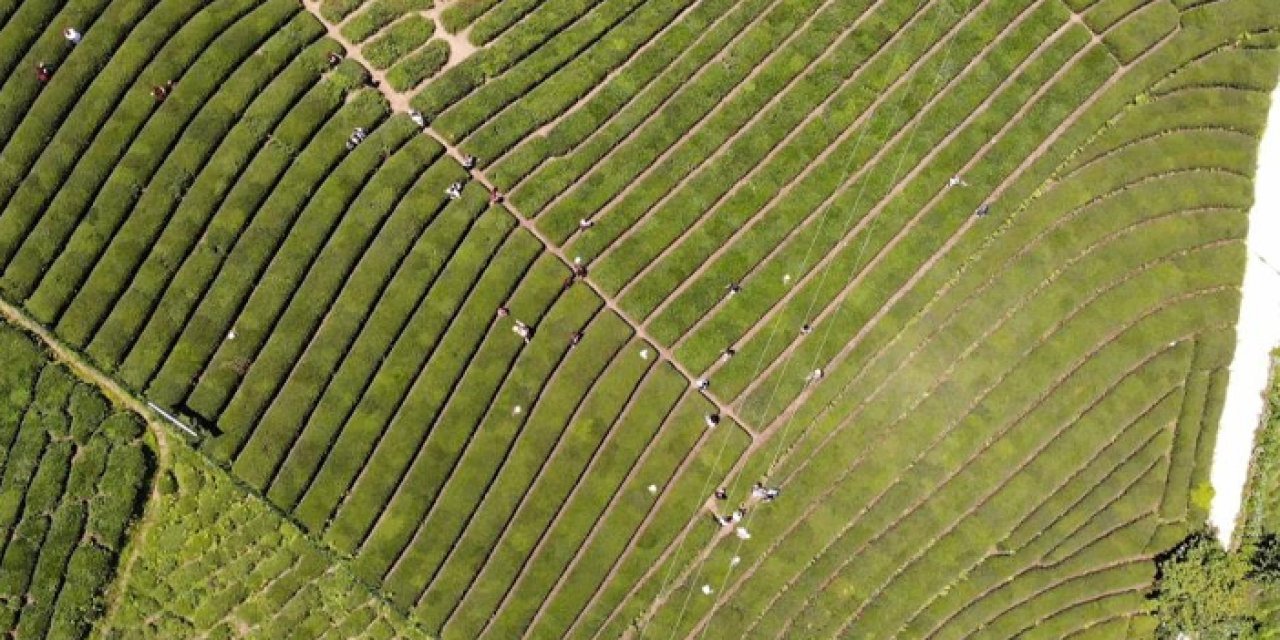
484 311
220 563
74 471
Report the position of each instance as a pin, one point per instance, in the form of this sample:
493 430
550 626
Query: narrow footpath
120 397
399 101
1257 333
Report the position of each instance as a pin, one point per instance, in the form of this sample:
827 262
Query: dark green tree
1204 593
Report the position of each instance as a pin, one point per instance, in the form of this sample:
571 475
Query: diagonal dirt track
400 102
818 270
1017 173
675 294
1057 132
834 306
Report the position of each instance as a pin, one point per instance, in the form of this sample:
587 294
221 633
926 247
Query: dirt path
460 48
1257 333
767 433
858 127
400 102
120 397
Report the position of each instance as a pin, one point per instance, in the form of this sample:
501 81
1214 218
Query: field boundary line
85 371
835 304
400 102
118 395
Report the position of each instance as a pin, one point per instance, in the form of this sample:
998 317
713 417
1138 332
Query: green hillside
75 472
957 277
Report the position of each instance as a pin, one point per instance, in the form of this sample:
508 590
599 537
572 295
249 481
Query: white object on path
1257 333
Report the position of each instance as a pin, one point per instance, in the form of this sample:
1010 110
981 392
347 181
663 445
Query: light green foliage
422 64
219 562
398 41
378 14
73 473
